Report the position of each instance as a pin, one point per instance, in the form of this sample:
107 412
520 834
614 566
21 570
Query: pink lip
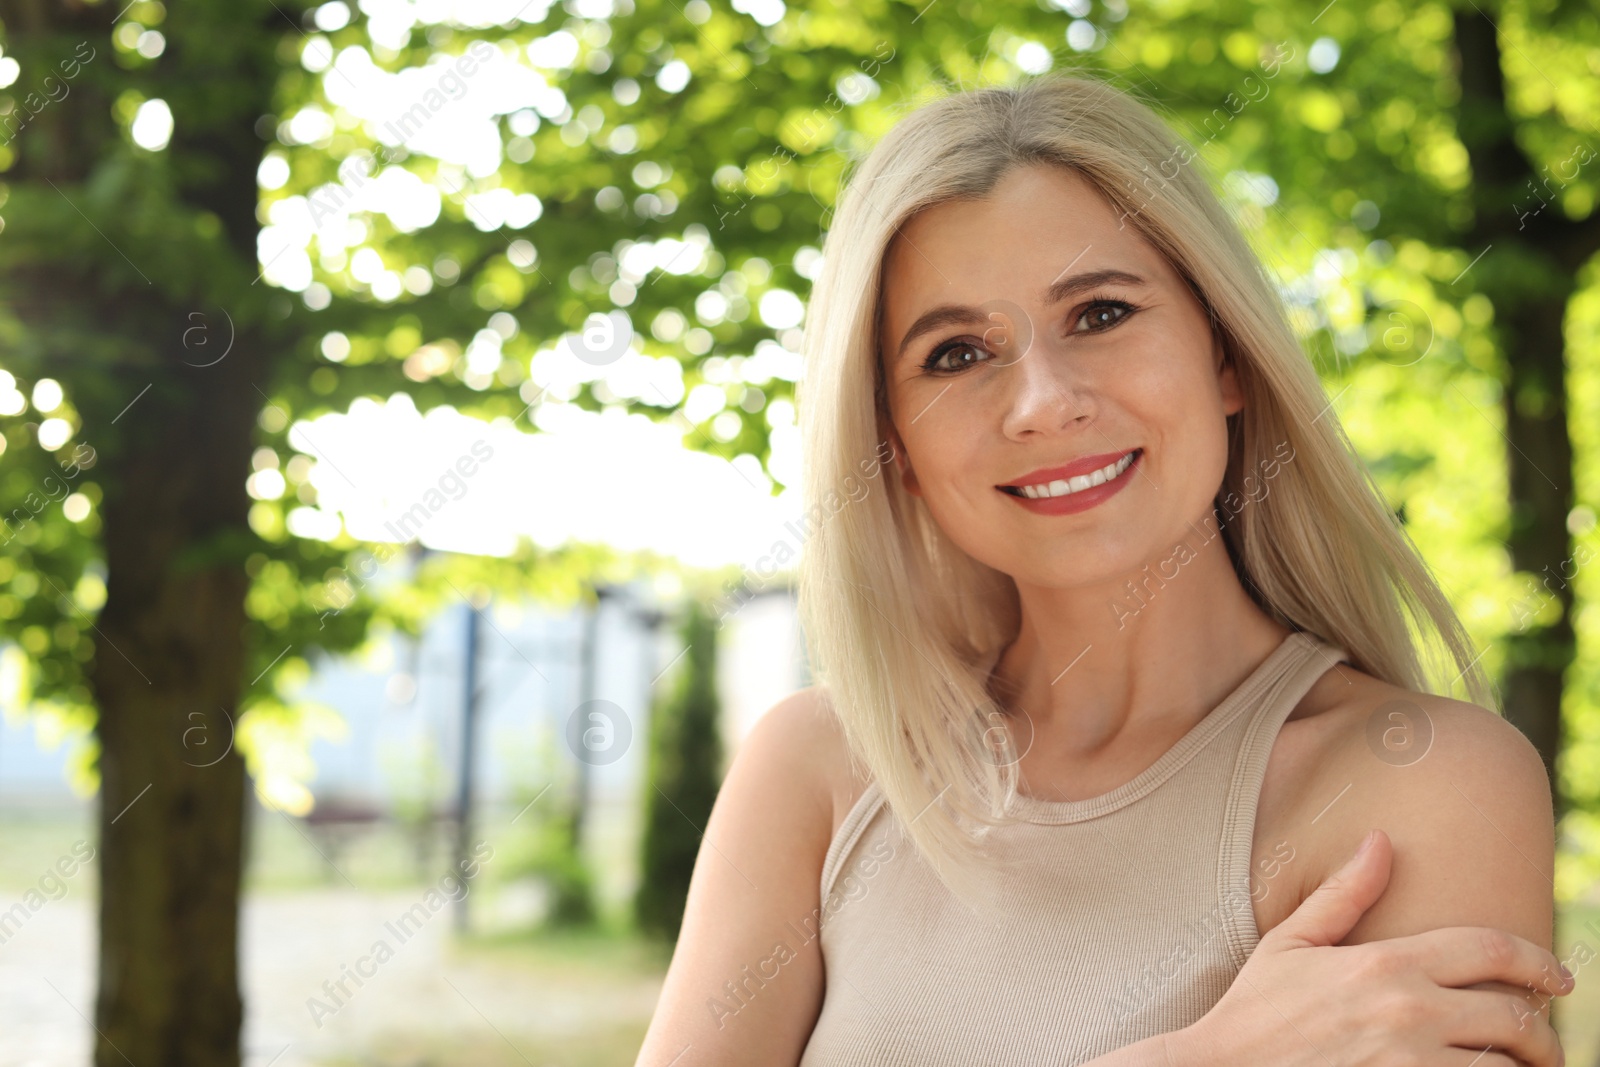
1082 500
1082 465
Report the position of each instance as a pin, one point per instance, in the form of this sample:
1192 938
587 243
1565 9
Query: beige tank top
1128 914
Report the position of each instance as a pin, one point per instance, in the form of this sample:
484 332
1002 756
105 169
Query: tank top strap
1312 658
849 832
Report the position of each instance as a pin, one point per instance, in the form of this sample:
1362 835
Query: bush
685 772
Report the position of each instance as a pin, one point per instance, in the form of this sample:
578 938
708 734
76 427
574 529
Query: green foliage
543 843
571 887
685 772
697 123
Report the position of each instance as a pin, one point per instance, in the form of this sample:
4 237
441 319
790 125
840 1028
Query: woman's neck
1168 641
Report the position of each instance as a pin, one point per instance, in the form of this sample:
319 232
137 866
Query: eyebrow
966 314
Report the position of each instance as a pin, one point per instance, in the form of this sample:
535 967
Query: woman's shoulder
757 873
1432 772
1369 730
805 727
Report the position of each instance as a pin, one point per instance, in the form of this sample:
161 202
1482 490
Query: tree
129 275
685 773
108 256
1531 282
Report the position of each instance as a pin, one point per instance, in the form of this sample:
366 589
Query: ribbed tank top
1127 914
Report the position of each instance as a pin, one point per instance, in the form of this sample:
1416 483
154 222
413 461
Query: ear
908 477
1227 378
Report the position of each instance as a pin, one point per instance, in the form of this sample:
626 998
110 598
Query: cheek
1196 454
1174 362
1172 394
948 449
1173 380
936 449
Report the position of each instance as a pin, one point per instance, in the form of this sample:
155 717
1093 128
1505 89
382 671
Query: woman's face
1029 340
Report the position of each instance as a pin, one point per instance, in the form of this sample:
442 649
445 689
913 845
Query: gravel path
293 943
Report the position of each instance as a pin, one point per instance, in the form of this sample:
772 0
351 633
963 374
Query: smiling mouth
1068 486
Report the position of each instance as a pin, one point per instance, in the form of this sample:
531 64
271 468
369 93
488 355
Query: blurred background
398 457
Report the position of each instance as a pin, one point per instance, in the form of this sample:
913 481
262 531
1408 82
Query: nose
1045 393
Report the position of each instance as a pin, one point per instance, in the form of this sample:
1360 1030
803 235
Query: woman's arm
1470 820
1439 936
1305 1000
745 983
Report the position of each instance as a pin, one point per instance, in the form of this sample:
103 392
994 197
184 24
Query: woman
1118 658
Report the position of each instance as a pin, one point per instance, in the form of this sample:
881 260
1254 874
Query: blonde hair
900 622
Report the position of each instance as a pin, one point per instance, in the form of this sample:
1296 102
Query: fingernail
1566 974
1366 843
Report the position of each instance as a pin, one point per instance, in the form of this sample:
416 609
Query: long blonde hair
900 621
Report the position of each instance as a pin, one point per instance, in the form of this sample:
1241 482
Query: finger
1481 1019
1461 1057
1334 907
1460 956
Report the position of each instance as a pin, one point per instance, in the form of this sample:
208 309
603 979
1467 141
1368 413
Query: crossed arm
1470 822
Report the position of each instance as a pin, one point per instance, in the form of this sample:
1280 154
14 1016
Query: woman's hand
1302 999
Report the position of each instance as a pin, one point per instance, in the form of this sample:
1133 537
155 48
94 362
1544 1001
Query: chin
1074 566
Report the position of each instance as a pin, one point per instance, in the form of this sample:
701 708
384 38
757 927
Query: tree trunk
1534 404
167 679
1530 256
173 426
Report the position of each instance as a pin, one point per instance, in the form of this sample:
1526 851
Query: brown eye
1102 315
955 356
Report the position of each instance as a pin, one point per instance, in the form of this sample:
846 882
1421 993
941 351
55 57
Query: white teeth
1066 486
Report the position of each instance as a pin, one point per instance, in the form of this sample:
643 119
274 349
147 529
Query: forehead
1037 221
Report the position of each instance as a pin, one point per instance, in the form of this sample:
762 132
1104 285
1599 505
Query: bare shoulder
742 986
1461 793
803 730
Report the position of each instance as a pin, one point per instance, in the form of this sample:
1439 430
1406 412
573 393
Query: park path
292 944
